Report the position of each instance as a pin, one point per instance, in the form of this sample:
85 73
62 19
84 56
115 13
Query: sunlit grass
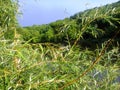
24 67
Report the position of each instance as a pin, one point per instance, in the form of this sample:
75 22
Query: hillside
93 25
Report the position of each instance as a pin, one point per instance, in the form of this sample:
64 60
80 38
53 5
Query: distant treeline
91 26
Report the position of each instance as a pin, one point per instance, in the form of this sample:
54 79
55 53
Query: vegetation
80 52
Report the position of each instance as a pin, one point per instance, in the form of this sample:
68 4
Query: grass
49 66
52 67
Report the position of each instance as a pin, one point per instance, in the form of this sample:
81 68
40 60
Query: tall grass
24 67
47 66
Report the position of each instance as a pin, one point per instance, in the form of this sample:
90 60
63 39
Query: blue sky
37 12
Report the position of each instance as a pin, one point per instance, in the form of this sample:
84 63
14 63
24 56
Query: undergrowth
24 67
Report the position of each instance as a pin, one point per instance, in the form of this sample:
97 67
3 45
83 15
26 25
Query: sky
37 12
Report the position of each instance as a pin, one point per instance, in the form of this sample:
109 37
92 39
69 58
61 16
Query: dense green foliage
103 22
76 53
8 21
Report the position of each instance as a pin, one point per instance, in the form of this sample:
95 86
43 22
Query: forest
81 52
